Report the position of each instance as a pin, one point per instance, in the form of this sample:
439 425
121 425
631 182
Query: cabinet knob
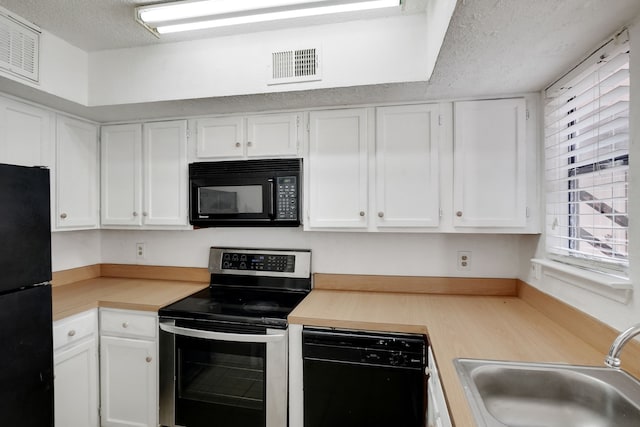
125 324
248 143
148 359
135 213
459 213
145 214
71 333
380 214
237 144
63 215
361 213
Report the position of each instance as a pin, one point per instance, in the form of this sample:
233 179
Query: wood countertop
485 327
116 292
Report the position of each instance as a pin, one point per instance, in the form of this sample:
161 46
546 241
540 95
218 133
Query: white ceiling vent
19 47
295 66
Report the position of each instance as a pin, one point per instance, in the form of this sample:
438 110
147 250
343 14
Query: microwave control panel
286 198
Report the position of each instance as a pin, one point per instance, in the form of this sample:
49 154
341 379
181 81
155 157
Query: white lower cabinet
437 410
128 368
76 371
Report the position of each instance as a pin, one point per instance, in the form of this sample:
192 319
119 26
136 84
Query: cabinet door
165 173
407 172
128 382
76 385
338 169
121 183
220 138
489 163
273 135
25 134
77 174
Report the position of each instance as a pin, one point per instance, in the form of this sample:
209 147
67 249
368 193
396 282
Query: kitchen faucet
613 358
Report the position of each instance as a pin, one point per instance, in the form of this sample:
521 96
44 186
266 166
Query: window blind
587 160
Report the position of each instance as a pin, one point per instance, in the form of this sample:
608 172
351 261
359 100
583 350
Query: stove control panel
258 262
289 263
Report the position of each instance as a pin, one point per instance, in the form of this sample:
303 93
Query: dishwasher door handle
221 336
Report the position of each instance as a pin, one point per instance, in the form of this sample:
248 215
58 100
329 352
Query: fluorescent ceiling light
201 14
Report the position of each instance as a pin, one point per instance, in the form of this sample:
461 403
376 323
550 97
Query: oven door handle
221 336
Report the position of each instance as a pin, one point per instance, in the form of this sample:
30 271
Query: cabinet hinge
188 133
440 212
439 119
527 114
308 127
527 212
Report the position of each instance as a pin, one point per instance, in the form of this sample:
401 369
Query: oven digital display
258 262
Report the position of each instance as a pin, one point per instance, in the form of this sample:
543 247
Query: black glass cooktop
247 306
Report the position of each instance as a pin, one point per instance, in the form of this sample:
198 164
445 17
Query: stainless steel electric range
223 350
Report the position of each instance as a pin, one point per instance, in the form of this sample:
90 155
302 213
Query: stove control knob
243 266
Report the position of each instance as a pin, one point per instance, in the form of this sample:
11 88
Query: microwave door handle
272 201
221 336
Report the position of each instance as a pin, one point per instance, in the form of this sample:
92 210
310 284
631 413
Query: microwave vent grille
203 169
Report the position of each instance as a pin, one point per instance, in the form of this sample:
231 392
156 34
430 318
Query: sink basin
551 395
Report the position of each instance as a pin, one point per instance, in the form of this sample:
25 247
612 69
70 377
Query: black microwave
245 193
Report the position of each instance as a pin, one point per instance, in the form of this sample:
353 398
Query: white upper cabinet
165 173
407 166
336 169
121 171
490 163
26 134
77 176
269 135
401 189
144 175
220 138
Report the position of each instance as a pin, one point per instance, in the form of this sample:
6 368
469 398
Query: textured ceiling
492 48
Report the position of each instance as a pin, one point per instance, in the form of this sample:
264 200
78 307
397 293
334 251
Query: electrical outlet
536 269
140 252
464 260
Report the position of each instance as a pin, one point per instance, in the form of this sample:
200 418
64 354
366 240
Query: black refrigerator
26 342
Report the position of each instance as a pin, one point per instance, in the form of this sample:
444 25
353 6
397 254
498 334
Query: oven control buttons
259 262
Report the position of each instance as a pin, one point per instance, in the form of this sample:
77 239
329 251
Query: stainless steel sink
550 395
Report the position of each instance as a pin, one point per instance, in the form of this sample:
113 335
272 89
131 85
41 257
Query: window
587 161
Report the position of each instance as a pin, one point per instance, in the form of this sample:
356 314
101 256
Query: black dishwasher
363 379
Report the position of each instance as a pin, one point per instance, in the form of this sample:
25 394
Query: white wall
332 252
352 54
616 314
72 249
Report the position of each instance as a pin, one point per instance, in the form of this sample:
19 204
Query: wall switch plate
464 260
140 251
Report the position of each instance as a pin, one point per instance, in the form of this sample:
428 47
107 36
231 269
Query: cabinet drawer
73 329
128 323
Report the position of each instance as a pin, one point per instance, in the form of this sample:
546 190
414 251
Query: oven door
221 376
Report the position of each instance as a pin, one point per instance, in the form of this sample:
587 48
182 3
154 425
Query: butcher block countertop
149 294
485 327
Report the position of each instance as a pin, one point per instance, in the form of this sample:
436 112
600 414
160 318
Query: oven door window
220 382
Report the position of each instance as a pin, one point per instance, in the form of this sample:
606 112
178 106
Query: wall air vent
295 66
19 47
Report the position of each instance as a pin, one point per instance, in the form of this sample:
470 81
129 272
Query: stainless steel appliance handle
221 336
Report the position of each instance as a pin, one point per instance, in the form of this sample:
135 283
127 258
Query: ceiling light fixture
201 14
